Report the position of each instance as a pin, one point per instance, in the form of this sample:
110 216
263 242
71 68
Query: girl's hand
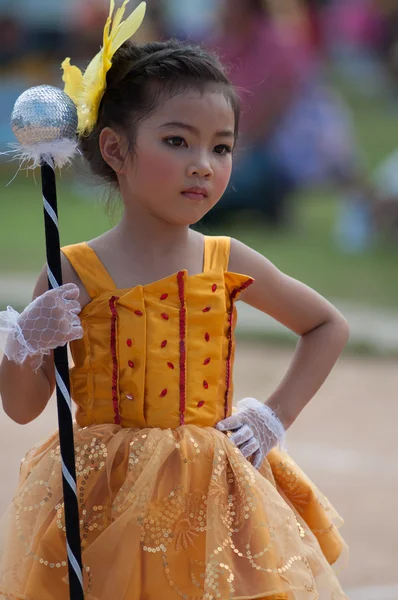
256 430
48 322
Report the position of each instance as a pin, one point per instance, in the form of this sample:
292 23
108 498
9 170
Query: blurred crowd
296 131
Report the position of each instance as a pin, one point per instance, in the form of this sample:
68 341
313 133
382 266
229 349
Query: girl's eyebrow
192 129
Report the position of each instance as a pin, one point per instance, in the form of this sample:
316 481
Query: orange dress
170 509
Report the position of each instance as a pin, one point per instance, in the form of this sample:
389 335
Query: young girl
179 498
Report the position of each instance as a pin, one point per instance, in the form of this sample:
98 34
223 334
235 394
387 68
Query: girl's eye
176 141
223 149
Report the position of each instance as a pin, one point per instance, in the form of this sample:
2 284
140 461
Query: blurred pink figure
265 61
356 22
296 131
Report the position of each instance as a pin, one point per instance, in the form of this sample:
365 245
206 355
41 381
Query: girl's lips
196 193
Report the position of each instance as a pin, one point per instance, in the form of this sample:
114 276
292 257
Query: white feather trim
57 154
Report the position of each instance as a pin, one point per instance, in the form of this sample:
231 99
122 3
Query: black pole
64 404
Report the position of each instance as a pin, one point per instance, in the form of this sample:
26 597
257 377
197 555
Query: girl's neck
149 234
141 250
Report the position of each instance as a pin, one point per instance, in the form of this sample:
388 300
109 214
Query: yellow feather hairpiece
87 90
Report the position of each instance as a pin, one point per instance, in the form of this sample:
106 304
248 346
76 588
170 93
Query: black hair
140 76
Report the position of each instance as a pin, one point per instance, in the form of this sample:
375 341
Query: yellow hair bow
87 90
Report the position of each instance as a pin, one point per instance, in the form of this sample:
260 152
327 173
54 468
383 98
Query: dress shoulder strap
216 253
89 268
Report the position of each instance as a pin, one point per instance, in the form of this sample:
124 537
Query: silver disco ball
44 114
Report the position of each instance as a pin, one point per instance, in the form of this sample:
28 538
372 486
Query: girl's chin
189 218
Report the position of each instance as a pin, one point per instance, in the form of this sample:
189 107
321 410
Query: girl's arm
24 392
322 329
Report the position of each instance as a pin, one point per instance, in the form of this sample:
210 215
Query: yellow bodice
157 355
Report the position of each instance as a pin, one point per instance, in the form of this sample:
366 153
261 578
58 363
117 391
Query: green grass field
305 250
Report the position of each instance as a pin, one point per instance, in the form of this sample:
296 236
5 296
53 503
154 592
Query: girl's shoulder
82 265
69 275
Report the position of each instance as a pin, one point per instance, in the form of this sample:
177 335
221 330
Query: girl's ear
113 147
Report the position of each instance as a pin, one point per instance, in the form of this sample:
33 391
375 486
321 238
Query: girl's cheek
224 175
161 163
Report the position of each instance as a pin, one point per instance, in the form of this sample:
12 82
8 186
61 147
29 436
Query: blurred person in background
89 18
38 33
259 64
352 31
189 19
296 132
11 36
388 47
44 25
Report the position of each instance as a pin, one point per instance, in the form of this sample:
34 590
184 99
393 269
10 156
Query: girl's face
182 161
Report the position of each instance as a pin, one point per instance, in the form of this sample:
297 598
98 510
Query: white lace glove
256 429
48 322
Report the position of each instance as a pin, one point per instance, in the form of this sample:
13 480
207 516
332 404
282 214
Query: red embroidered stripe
115 372
234 294
181 295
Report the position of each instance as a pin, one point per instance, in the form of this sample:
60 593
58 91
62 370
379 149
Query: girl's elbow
21 419
20 415
343 329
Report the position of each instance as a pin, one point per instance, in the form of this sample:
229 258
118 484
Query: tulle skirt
170 514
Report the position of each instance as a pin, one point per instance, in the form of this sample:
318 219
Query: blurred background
315 189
